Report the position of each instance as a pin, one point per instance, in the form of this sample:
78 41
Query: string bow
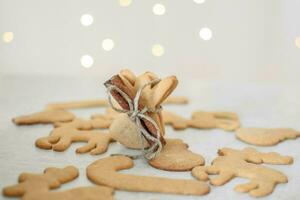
136 115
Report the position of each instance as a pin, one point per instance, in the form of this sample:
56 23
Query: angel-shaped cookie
243 163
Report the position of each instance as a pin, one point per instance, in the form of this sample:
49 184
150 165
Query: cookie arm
14 190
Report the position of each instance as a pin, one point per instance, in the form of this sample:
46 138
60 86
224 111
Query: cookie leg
202 172
179 125
46 142
86 148
222 178
263 189
62 144
228 125
246 187
99 149
14 191
102 143
226 115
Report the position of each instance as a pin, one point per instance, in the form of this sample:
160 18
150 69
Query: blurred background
230 40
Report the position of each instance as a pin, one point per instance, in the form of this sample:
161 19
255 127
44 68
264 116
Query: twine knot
137 115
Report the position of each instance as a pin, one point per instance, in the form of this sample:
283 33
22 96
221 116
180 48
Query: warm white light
158 50
125 3
87 61
297 42
86 20
199 1
159 9
205 34
8 37
108 44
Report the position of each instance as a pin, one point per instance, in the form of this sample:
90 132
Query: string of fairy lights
108 44
157 49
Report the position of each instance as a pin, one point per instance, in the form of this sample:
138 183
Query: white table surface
260 105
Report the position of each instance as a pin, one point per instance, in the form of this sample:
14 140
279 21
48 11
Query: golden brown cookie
243 163
203 120
175 156
105 172
264 136
110 113
83 124
78 131
79 193
51 179
176 100
78 104
44 117
37 186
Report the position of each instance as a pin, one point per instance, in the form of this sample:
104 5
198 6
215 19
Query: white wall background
253 40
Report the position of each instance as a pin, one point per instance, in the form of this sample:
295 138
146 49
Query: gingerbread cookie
110 113
105 172
243 163
203 120
176 100
175 156
44 117
78 104
264 136
90 124
62 137
38 186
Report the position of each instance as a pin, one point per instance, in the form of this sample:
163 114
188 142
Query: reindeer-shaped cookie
44 117
243 163
77 131
151 98
203 120
38 186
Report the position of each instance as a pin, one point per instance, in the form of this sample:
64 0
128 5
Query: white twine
137 115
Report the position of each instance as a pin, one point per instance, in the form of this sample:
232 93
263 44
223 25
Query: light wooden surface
257 105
